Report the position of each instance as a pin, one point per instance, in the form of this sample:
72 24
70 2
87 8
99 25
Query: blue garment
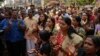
0 25
14 34
1 31
45 49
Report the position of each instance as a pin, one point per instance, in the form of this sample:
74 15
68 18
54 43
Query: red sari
60 39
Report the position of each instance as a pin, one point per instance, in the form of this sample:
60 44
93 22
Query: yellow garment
98 33
30 24
76 39
68 43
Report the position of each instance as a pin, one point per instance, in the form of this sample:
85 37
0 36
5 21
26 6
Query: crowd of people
50 31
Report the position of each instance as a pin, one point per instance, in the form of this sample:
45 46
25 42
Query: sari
67 45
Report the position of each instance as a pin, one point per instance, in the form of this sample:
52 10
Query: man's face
30 14
14 14
32 7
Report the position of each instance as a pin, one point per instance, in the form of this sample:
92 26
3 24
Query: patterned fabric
60 38
67 45
81 32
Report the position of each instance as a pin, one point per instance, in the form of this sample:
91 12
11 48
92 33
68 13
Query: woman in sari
66 40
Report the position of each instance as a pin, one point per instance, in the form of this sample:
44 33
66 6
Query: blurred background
38 3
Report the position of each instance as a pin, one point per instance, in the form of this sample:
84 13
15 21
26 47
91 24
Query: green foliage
77 2
81 2
1 0
84 2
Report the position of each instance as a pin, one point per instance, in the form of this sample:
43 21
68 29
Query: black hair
46 47
98 10
29 11
67 20
53 21
95 39
44 21
32 5
9 12
70 29
44 35
78 19
14 10
98 18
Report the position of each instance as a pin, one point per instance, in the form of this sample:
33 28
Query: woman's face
42 18
49 23
74 22
63 25
84 17
59 19
89 46
74 15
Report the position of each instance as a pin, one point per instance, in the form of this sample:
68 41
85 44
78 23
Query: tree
85 2
1 0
